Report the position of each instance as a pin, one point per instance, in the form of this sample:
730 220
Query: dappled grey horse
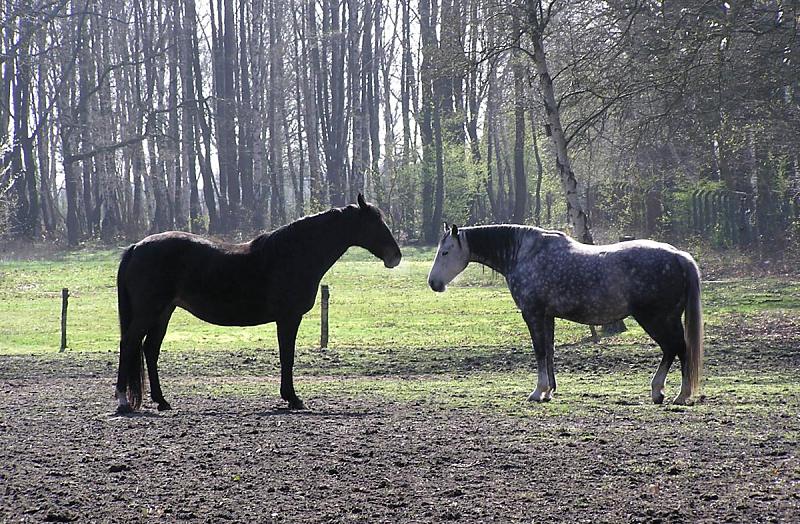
553 276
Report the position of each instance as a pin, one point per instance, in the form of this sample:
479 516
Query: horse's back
600 283
653 274
168 256
648 259
171 243
167 265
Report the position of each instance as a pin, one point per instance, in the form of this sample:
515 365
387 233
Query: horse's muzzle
392 260
436 285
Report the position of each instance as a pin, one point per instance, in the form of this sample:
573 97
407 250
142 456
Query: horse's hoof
658 399
538 397
296 403
124 409
164 406
683 401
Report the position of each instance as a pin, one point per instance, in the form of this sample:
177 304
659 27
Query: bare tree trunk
175 169
502 195
427 34
473 108
86 81
309 77
406 82
138 173
226 131
537 211
223 44
23 163
189 116
74 232
107 187
204 152
373 103
579 219
6 74
386 187
438 192
46 183
433 93
335 125
156 148
491 192
520 177
275 109
246 121
355 99
300 86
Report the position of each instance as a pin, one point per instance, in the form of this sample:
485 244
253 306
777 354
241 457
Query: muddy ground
215 458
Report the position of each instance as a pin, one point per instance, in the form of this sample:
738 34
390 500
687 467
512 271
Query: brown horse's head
373 234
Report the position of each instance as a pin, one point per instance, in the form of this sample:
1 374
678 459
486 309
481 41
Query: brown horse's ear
361 202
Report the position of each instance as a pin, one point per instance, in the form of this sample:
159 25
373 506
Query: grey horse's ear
361 202
445 229
454 234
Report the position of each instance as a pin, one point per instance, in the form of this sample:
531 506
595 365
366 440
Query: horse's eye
444 253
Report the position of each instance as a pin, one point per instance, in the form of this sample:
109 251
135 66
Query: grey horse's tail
130 358
693 325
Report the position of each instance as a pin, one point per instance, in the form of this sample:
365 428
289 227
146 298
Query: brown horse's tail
130 376
693 326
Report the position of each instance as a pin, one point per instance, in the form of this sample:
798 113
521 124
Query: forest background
665 119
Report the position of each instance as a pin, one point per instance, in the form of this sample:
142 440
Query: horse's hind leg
130 367
668 333
152 349
660 377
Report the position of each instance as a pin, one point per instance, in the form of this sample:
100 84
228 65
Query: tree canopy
650 118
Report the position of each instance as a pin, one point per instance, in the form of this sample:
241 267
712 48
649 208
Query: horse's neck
326 241
493 246
334 240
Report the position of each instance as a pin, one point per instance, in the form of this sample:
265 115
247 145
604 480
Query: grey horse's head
451 259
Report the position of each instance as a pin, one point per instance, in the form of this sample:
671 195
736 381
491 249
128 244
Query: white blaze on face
451 259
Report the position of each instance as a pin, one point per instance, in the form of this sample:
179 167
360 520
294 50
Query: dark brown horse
272 278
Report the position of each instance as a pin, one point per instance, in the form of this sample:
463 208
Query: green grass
372 309
506 392
393 338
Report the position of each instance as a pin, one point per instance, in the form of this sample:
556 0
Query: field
417 410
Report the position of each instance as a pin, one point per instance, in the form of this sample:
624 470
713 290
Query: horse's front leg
287 335
538 327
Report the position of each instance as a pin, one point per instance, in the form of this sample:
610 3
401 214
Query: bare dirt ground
64 457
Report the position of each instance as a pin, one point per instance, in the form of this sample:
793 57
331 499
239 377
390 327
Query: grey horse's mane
496 245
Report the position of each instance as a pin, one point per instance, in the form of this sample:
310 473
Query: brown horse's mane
300 226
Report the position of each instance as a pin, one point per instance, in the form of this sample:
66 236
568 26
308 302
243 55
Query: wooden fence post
323 337
64 304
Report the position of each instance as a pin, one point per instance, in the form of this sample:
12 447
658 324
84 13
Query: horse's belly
594 319
229 316
591 309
